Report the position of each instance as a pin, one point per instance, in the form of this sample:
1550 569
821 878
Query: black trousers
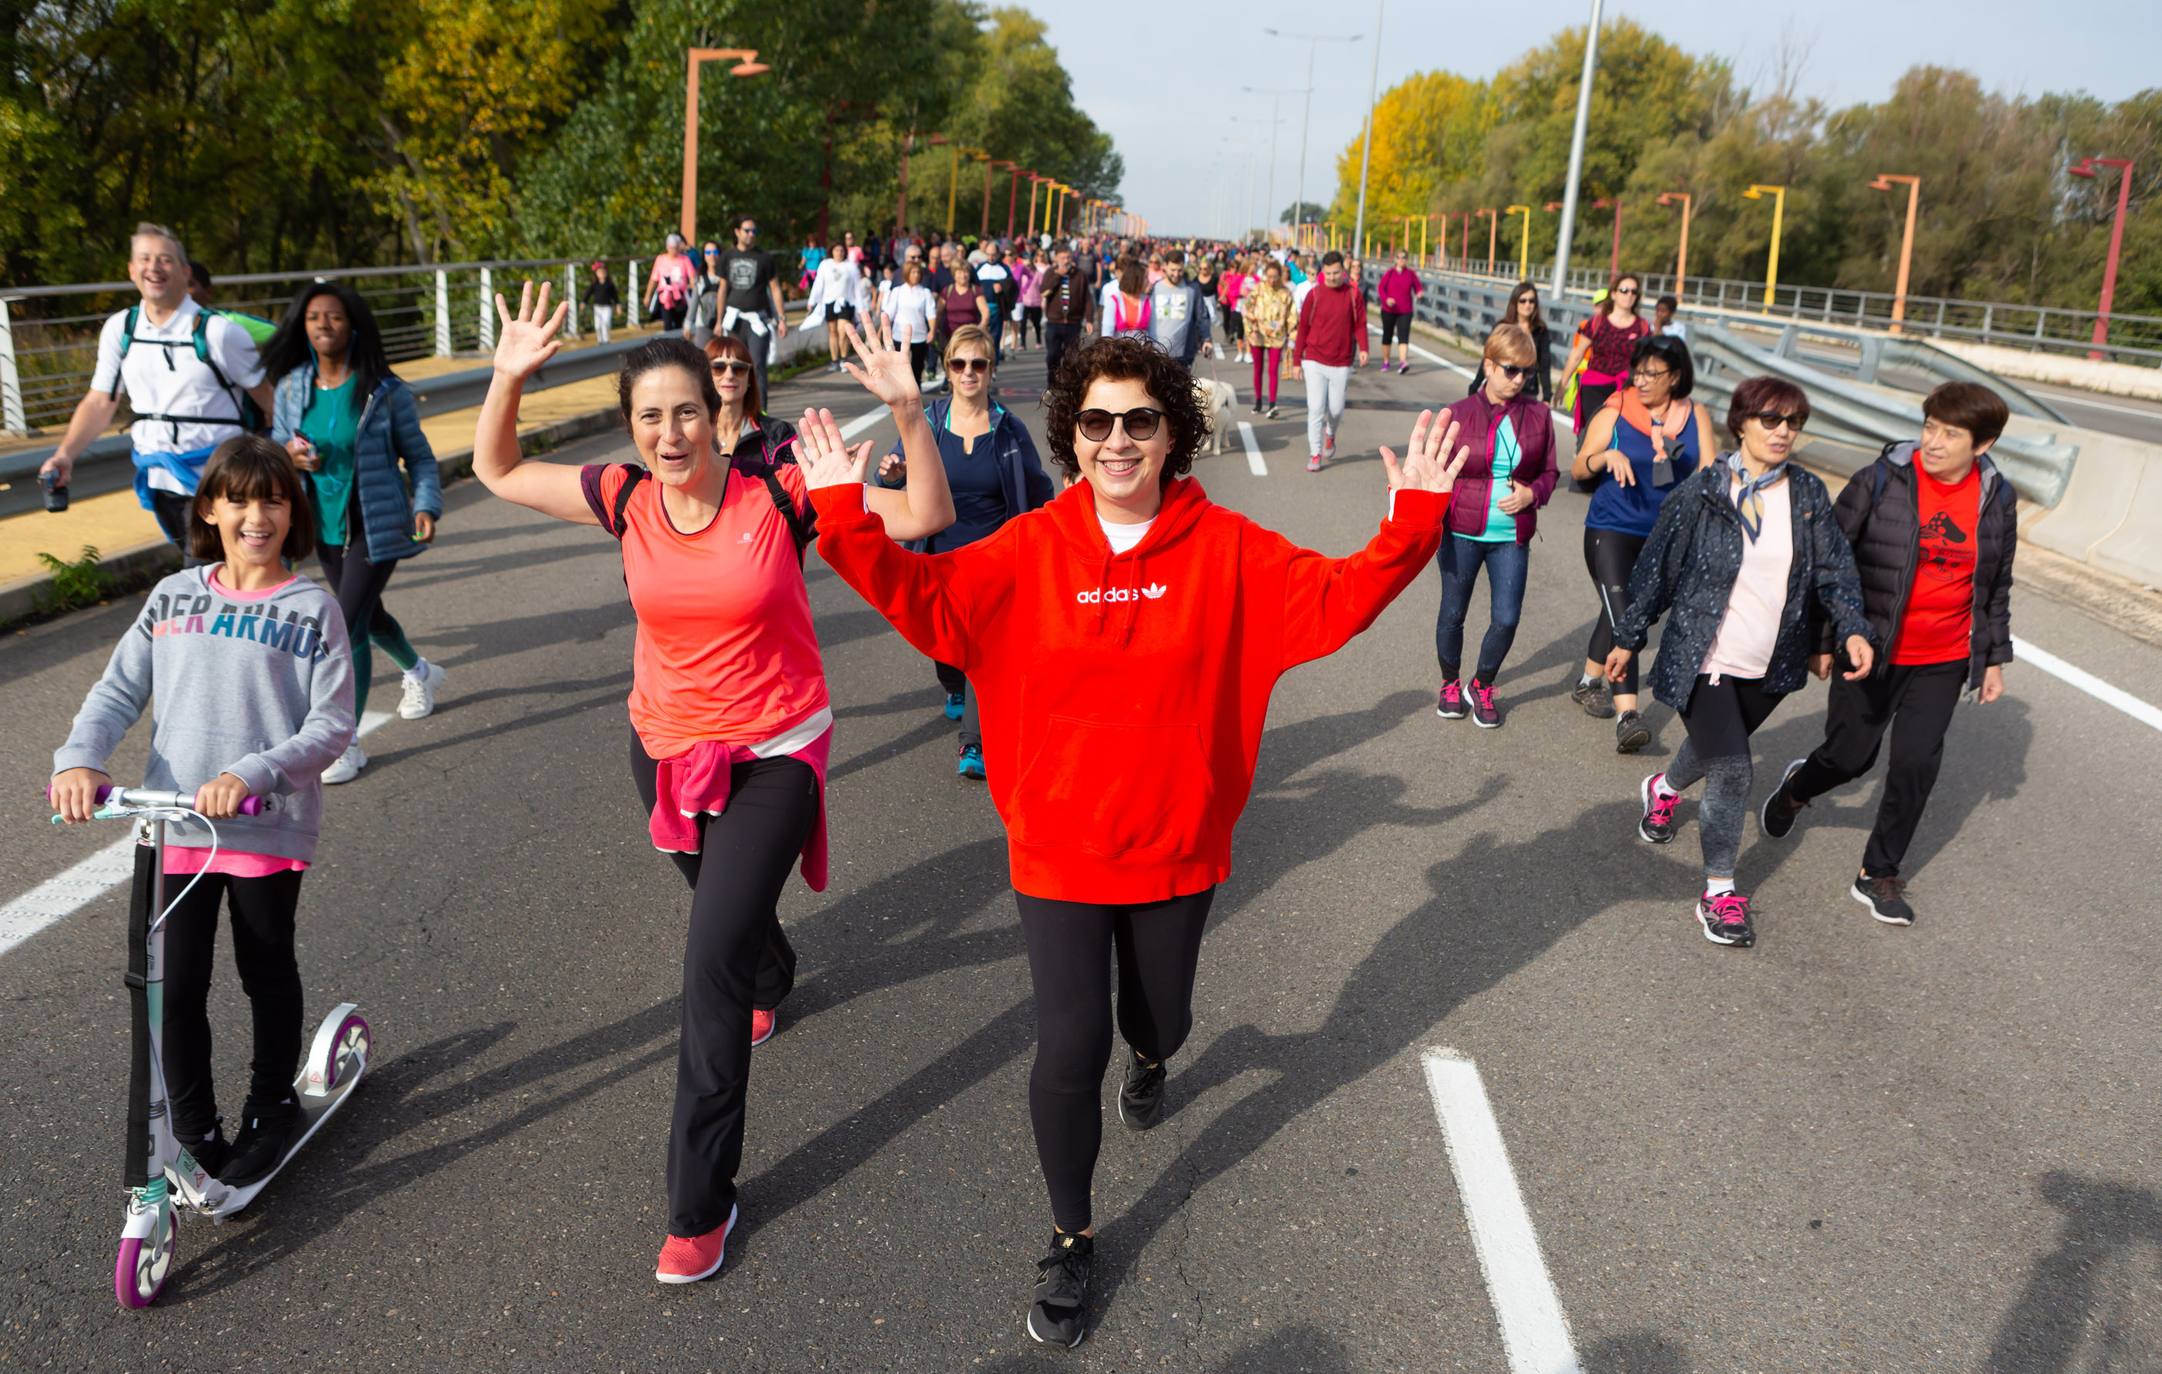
756 343
956 684
358 584
1610 556
1070 958
175 515
1913 702
262 919
735 958
1057 338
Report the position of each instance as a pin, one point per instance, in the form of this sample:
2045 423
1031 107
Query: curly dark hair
1164 377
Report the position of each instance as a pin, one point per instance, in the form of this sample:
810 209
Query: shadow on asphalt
2089 1304
1297 1349
1639 1352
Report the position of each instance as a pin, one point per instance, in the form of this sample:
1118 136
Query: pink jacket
1400 287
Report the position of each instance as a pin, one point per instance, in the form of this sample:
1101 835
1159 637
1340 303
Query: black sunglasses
1511 371
1141 423
1772 419
729 367
968 365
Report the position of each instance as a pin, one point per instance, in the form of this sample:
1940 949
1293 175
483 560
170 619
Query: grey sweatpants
1325 388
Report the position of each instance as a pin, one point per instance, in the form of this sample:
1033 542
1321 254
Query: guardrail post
11 385
442 313
630 297
1940 316
1987 312
570 294
487 311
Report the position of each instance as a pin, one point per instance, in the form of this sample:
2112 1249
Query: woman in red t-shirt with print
728 694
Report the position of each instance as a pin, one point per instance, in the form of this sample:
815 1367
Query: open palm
526 341
1428 462
827 460
881 364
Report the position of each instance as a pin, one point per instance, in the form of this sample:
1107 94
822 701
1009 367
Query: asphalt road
1851 1148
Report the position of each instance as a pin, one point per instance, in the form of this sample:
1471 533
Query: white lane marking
1253 450
2087 682
2086 399
1533 1329
59 897
862 422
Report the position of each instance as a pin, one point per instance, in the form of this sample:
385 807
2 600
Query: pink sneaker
763 1025
1313 464
1328 445
1450 704
699 1257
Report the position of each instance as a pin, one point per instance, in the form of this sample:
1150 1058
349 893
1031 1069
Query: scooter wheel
140 1270
348 1054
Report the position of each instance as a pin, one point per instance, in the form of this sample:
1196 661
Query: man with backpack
189 375
1934 529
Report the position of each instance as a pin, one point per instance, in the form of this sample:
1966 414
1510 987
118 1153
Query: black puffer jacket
1880 511
1690 563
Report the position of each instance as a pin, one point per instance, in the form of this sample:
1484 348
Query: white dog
1218 400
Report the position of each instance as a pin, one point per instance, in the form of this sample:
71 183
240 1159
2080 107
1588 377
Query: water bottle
56 491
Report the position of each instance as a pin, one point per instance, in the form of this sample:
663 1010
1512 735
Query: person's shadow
2091 1303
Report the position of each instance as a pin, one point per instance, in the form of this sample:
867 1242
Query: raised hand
881 365
826 458
1427 464
525 342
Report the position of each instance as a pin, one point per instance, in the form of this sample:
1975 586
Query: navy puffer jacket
389 435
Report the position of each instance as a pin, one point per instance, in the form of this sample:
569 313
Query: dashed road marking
1253 450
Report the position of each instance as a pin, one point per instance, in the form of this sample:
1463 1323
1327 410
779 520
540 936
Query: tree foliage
1999 217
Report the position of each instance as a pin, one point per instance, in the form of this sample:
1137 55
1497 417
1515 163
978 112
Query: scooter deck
221 1201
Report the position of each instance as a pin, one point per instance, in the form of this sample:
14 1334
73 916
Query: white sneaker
348 765
419 697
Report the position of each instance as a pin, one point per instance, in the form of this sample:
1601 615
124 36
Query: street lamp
1681 260
2085 168
1312 41
1523 243
900 209
1013 186
1493 224
747 64
1779 212
1276 96
1884 182
984 230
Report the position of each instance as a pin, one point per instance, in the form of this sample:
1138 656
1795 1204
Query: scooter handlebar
143 796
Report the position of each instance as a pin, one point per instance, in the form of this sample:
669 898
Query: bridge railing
2133 339
49 334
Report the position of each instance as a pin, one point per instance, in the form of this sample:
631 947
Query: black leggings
1720 718
1609 555
358 584
1395 327
262 920
1031 317
917 352
1070 948
735 958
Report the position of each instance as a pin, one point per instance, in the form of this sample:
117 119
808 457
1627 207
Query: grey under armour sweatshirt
259 688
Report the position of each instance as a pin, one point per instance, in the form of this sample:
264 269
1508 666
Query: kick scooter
163 1178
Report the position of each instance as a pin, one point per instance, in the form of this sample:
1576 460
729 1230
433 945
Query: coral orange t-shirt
1939 624
725 647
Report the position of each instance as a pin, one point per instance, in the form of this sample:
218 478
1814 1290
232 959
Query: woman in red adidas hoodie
1165 621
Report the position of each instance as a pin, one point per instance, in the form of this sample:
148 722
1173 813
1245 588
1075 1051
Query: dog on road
1218 400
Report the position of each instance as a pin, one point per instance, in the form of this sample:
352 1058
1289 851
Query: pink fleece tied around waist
695 783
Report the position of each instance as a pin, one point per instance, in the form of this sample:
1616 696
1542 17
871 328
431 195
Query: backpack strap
127 341
631 479
799 528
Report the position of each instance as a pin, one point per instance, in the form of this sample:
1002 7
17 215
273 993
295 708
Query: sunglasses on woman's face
725 367
1773 419
968 365
1509 370
1141 423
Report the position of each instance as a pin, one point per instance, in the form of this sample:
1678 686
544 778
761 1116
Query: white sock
1718 887
1659 786
418 670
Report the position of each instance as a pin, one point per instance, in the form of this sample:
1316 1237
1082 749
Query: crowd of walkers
1115 628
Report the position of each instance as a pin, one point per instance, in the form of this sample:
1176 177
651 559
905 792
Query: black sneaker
1886 899
1058 1312
1257 407
266 1134
1274 413
1780 810
1657 823
1595 697
1450 704
1631 733
1141 1100
1725 919
1484 713
213 1152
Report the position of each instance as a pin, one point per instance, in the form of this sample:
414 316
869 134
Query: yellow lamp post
1681 257
1523 242
1885 182
1779 213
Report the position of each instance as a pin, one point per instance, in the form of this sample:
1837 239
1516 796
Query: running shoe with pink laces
1725 918
1657 825
1484 713
687 1260
1450 704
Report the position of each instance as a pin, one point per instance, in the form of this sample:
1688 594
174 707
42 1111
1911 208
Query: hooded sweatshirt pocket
1115 790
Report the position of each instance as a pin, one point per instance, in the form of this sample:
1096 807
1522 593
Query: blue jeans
1506 565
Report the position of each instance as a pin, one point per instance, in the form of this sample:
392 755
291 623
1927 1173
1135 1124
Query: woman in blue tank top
1641 444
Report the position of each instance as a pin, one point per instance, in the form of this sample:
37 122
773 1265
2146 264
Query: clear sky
1163 77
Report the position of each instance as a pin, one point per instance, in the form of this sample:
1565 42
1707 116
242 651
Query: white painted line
57 898
2088 400
1533 1329
862 422
1253 450
2087 682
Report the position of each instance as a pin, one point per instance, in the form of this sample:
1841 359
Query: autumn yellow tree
1428 131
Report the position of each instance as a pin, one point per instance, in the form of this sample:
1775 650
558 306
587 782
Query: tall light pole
1366 144
1779 214
1013 189
1523 243
1313 41
1276 96
1885 182
1681 259
747 64
2085 168
1493 227
1576 153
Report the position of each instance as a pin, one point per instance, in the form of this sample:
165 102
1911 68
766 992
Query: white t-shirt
909 309
162 376
1124 537
1298 297
1750 629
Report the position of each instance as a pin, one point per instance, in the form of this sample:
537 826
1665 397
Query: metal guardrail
2135 339
48 353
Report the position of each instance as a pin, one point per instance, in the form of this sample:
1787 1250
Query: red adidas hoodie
1123 696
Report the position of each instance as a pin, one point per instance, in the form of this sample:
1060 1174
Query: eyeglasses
728 367
1625 291
1141 423
1653 374
746 228
1772 419
713 252
968 365
1509 370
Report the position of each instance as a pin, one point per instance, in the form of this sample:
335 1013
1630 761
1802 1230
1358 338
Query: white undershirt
1124 537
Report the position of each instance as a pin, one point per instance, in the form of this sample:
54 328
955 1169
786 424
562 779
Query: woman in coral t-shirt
728 695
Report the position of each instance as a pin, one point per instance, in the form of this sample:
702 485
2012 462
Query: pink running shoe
699 1257
1328 444
1450 704
763 1025
1657 826
1725 919
1313 464
1484 713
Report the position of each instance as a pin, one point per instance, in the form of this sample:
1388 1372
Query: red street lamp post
2085 168
747 64
1493 235
1681 260
1013 189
